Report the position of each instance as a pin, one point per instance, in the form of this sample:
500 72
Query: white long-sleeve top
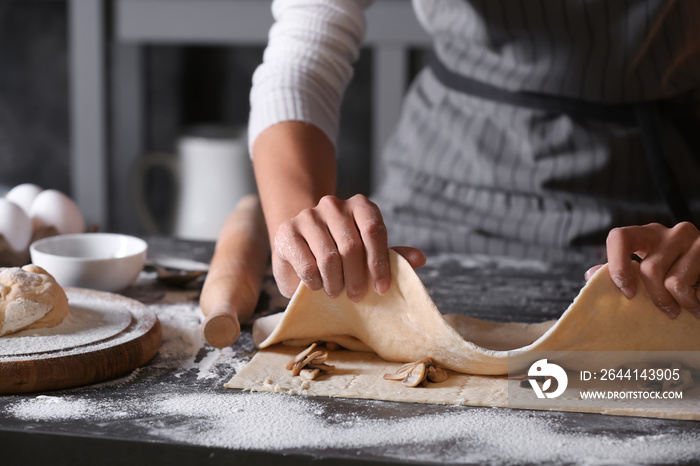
307 64
640 50
472 175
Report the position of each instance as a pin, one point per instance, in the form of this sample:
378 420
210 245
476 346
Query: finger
285 277
293 252
653 271
670 245
371 226
681 283
682 279
323 247
413 256
590 272
352 253
621 244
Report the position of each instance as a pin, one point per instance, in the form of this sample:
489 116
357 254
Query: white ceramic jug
212 171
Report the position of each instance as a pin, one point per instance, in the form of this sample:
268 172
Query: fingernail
589 273
356 298
331 294
671 312
628 292
382 286
309 281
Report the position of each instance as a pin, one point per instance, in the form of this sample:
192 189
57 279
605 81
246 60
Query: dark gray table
175 410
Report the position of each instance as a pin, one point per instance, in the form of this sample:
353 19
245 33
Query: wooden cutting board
104 336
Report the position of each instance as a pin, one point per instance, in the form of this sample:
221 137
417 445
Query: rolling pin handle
221 329
232 287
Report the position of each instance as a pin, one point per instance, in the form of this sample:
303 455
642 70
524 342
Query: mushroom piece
415 376
322 366
309 374
321 358
309 363
437 374
684 381
419 373
300 357
332 346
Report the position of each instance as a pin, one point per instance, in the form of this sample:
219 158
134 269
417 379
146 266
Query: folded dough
30 298
405 325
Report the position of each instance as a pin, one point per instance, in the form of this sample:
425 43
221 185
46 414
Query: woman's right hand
333 246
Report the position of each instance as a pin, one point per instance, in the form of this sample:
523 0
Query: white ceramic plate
89 320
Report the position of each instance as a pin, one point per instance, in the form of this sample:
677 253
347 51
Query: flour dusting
179 397
89 320
274 422
278 422
53 408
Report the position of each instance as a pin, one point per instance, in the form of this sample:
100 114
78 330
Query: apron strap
644 115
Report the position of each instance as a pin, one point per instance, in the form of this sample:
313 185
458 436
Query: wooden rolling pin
232 287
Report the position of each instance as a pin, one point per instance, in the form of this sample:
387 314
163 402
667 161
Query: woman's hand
333 246
327 242
670 267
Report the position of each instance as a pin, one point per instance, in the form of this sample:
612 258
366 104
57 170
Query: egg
23 195
53 208
15 225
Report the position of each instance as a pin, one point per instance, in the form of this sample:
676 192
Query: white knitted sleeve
307 64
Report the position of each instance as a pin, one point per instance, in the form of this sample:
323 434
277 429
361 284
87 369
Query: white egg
15 225
53 208
23 195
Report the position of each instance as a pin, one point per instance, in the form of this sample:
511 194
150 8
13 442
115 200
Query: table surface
175 409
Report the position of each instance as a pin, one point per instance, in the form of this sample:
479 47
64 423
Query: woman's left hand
670 267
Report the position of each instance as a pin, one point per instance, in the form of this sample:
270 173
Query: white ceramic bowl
101 261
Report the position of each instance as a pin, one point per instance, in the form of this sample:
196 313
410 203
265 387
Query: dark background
186 86
34 145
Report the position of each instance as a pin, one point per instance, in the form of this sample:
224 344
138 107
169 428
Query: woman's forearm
294 168
315 237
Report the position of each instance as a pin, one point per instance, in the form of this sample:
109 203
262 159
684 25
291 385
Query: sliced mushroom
407 367
418 373
300 357
309 363
322 366
684 381
332 346
313 356
309 374
415 376
397 376
321 358
437 374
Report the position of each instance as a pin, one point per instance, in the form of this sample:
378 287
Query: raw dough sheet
360 375
601 329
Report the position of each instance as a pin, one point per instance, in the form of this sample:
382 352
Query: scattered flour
264 421
89 320
188 404
53 408
277 422
100 321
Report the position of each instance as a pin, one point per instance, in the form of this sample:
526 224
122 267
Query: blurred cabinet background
88 86
34 120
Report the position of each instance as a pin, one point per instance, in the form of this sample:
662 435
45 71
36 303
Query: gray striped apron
467 172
